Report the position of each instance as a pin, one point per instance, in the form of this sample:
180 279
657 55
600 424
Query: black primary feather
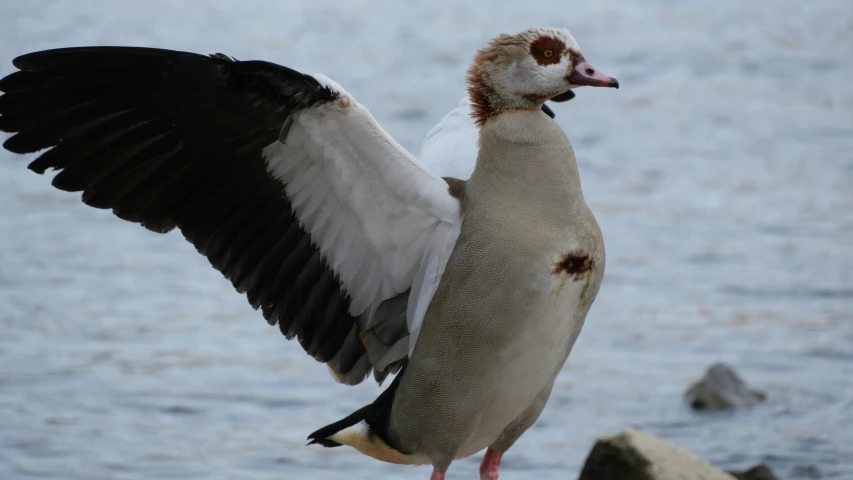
171 139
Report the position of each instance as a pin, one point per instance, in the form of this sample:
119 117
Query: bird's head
526 69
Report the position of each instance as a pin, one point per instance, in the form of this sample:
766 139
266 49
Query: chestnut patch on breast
547 50
574 264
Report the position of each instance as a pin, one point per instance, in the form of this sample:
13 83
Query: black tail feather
375 415
321 436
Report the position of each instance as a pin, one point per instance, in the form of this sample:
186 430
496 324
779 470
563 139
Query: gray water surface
721 173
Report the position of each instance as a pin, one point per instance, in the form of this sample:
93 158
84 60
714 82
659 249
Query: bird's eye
548 53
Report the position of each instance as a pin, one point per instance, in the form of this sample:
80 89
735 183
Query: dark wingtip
41 60
547 110
7 83
21 61
23 144
33 167
222 56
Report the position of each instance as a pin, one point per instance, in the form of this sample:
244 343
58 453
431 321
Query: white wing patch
383 221
450 147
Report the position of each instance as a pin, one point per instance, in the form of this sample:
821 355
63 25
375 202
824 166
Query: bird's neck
525 161
488 102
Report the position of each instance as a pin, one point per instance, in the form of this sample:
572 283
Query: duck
470 289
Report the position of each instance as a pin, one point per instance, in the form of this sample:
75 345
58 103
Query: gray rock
636 455
721 389
758 472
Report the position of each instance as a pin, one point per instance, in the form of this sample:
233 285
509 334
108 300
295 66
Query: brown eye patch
547 50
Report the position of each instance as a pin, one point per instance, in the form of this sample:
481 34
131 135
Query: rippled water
721 173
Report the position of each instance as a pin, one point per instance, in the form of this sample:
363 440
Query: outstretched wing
282 180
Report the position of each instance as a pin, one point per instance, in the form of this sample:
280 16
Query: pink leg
490 465
436 476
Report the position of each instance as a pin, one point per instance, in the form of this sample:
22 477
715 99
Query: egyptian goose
473 291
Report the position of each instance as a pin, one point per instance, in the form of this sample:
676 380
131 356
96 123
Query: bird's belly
550 327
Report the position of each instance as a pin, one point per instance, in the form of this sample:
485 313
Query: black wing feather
171 139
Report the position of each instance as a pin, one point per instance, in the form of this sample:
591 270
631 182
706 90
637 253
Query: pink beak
583 73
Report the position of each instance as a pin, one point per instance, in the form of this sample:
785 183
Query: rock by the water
758 472
720 389
636 455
